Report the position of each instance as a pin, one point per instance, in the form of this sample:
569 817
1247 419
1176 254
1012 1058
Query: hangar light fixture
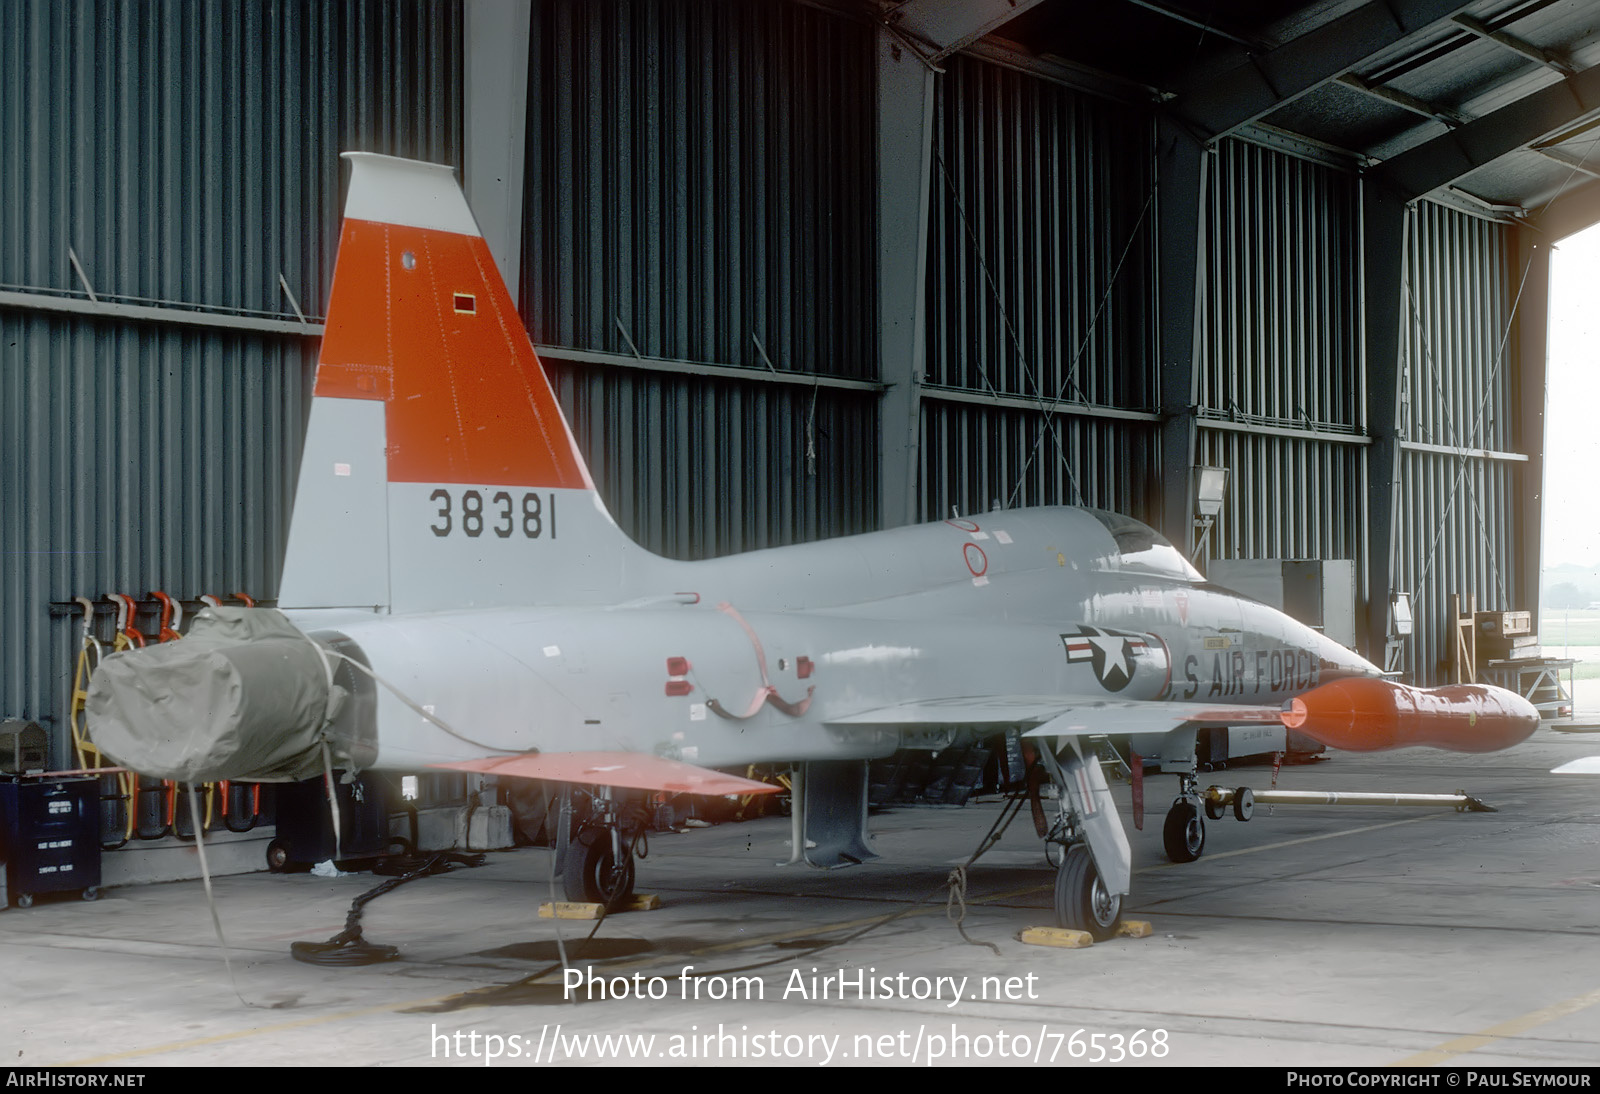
1210 487
1400 615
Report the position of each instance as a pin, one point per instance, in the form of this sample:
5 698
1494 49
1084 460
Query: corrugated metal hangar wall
791 276
184 156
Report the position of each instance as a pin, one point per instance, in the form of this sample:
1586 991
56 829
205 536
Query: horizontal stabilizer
634 770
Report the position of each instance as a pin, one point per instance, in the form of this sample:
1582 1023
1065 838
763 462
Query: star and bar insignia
1111 652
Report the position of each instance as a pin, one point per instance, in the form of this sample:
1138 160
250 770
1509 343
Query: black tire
91 893
1082 901
1244 804
590 876
278 856
1184 833
1215 810
24 900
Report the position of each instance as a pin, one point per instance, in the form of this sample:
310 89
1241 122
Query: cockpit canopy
1143 550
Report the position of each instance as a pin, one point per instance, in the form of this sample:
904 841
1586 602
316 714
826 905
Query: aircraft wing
1063 716
634 770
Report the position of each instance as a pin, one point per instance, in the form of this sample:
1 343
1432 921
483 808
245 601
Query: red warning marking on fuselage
766 693
964 525
467 400
977 561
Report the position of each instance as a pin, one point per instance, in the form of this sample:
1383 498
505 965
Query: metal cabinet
49 836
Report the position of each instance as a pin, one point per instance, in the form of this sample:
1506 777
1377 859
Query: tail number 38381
499 513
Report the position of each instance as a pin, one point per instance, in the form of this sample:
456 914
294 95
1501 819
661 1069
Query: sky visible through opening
1572 411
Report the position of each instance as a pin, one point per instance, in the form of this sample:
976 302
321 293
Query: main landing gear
599 868
1092 849
1083 902
597 858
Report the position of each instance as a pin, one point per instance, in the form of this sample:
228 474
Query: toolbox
50 836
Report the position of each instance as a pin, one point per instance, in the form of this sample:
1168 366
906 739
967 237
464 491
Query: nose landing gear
1184 833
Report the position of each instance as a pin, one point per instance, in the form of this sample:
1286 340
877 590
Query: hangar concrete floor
1314 936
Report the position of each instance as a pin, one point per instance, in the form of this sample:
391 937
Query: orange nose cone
1368 714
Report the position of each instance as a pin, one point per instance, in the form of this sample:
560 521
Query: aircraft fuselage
758 657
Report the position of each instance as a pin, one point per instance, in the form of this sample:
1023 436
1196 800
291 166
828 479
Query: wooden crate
1503 624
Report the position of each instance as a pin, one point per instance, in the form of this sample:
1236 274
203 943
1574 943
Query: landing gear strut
1184 833
597 867
1094 857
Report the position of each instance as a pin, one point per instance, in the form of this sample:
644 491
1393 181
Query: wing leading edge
1058 716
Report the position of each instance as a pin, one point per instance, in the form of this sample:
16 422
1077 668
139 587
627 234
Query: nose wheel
1184 833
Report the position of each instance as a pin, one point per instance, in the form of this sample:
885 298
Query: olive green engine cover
245 695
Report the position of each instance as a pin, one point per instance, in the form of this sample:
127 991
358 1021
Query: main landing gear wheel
1184 833
591 874
1082 901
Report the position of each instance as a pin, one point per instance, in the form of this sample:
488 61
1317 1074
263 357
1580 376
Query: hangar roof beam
1515 44
1190 21
1444 159
1577 165
1453 119
946 26
1242 86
